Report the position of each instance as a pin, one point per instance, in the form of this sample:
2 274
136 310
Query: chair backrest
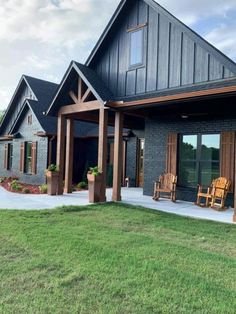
220 187
168 181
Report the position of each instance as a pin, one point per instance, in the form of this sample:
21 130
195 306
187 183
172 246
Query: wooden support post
102 150
60 151
234 216
69 155
118 157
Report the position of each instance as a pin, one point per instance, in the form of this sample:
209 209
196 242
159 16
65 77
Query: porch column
102 149
118 157
69 155
60 151
234 216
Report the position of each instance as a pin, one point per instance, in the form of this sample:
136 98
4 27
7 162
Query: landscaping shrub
15 185
82 185
52 168
43 188
26 191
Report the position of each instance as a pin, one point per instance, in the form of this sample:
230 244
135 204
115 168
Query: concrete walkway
131 196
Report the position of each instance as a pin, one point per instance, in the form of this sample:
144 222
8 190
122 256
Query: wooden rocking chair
167 185
216 194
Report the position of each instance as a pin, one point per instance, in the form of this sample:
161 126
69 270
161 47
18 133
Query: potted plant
52 175
94 184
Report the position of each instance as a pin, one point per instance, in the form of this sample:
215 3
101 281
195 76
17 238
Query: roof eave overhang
136 104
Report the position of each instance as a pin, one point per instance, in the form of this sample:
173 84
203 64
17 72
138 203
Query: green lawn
115 259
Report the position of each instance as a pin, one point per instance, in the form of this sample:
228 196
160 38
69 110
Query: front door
140 162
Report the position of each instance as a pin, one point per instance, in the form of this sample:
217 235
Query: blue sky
40 37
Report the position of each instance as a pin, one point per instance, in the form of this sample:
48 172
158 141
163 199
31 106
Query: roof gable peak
229 63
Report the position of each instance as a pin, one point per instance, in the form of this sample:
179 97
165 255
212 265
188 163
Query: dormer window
136 47
29 119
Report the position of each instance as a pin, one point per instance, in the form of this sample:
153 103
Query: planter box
94 186
52 182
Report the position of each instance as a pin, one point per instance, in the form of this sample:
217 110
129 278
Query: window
10 156
28 157
29 118
136 47
199 157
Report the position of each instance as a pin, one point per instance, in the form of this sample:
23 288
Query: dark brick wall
27 133
156 131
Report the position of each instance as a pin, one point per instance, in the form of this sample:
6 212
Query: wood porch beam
60 151
181 96
73 97
86 95
79 89
102 150
118 157
69 155
80 107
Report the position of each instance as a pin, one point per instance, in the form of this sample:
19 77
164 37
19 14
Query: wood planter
94 186
234 216
52 182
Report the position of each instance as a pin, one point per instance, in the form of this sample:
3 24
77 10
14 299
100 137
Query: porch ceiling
213 106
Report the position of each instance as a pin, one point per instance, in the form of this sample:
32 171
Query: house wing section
22 92
34 91
145 49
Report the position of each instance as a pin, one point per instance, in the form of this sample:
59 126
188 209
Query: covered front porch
165 119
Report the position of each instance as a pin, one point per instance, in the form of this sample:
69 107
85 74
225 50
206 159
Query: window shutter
171 160
227 160
6 156
34 158
22 157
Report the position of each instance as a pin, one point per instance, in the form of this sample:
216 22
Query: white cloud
191 11
224 38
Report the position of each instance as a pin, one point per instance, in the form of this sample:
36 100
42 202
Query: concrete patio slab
187 209
132 196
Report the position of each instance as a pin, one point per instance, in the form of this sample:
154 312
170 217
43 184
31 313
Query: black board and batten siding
173 54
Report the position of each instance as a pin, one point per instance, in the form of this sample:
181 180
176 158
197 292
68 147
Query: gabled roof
91 79
230 64
43 92
33 105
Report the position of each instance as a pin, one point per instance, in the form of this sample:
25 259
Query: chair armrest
199 188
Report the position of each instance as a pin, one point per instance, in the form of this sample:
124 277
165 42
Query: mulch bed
33 189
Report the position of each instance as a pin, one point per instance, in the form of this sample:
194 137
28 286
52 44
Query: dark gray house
150 72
